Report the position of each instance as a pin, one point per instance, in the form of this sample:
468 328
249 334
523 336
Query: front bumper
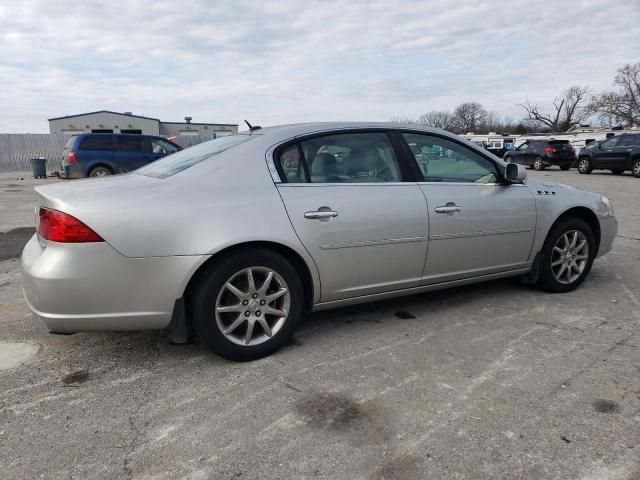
608 232
90 286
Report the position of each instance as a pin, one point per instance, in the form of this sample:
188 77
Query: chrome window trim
460 184
347 184
271 164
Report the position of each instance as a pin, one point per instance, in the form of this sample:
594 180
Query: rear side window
136 144
70 142
97 142
341 158
180 161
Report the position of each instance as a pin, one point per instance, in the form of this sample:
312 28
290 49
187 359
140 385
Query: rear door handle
450 209
320 214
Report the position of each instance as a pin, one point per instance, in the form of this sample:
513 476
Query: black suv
543 153
617 154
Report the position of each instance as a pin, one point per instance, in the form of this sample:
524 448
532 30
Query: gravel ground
492 381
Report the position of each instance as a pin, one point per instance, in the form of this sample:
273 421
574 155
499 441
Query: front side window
97 142
523 147
610 142
180 161
346 158
162 146
442 160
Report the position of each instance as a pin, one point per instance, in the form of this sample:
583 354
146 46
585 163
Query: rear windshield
70 141
176 163
559 142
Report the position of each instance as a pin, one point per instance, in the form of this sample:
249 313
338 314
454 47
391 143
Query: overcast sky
287 61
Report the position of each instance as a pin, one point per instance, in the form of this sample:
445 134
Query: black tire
584 165
538 164
635 167
566 166
100 171
617 171
508 159
203 303
547 280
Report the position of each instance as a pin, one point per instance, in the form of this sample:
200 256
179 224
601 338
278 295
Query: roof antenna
251 127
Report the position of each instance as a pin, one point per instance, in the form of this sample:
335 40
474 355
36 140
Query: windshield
180 161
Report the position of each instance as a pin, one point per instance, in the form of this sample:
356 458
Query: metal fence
17 149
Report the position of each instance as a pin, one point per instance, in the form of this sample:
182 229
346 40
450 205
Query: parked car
237 237
540 154
618 154
102 154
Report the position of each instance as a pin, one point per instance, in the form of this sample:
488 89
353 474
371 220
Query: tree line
575 106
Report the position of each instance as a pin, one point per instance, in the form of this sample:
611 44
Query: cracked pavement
491 381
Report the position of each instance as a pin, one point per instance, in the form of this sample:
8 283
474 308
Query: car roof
283 132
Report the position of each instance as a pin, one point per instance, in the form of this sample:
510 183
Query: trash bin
39 168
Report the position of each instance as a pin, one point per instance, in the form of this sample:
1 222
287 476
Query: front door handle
450 209
320 215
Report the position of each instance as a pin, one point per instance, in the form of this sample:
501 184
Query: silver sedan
234 239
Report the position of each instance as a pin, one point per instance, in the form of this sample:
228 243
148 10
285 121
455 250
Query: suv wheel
584 165
538 164
508 159
100 172
248 305
635 167
567 255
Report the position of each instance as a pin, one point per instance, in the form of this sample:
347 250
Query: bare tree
569 109
438 119
469 116
406 120
622 106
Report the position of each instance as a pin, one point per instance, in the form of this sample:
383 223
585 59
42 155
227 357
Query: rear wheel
248 304
617 172
635 167
538 164
100 172
567 255
584 165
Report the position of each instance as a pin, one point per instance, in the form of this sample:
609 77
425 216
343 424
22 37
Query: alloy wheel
252 306
584 165
570 256
636 168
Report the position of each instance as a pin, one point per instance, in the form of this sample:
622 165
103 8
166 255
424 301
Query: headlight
607 207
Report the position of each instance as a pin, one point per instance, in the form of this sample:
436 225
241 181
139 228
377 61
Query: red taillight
573 150
61 227
550 150
73 157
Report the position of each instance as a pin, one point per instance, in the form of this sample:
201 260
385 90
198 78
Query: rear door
477 226
131 152
627 144
95 150
351 202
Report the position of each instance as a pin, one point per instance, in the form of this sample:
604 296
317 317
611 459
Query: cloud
289 61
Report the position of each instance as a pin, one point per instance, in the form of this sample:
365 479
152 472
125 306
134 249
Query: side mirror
516 173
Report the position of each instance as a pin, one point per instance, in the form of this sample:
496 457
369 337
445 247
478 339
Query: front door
476 225
365 227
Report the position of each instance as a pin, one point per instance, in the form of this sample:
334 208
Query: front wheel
248 304
538 164
508 160
585 166
567 255
635 168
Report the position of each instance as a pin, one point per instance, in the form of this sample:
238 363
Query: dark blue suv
101 154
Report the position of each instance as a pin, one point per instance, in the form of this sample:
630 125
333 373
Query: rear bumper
561 160
90 286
